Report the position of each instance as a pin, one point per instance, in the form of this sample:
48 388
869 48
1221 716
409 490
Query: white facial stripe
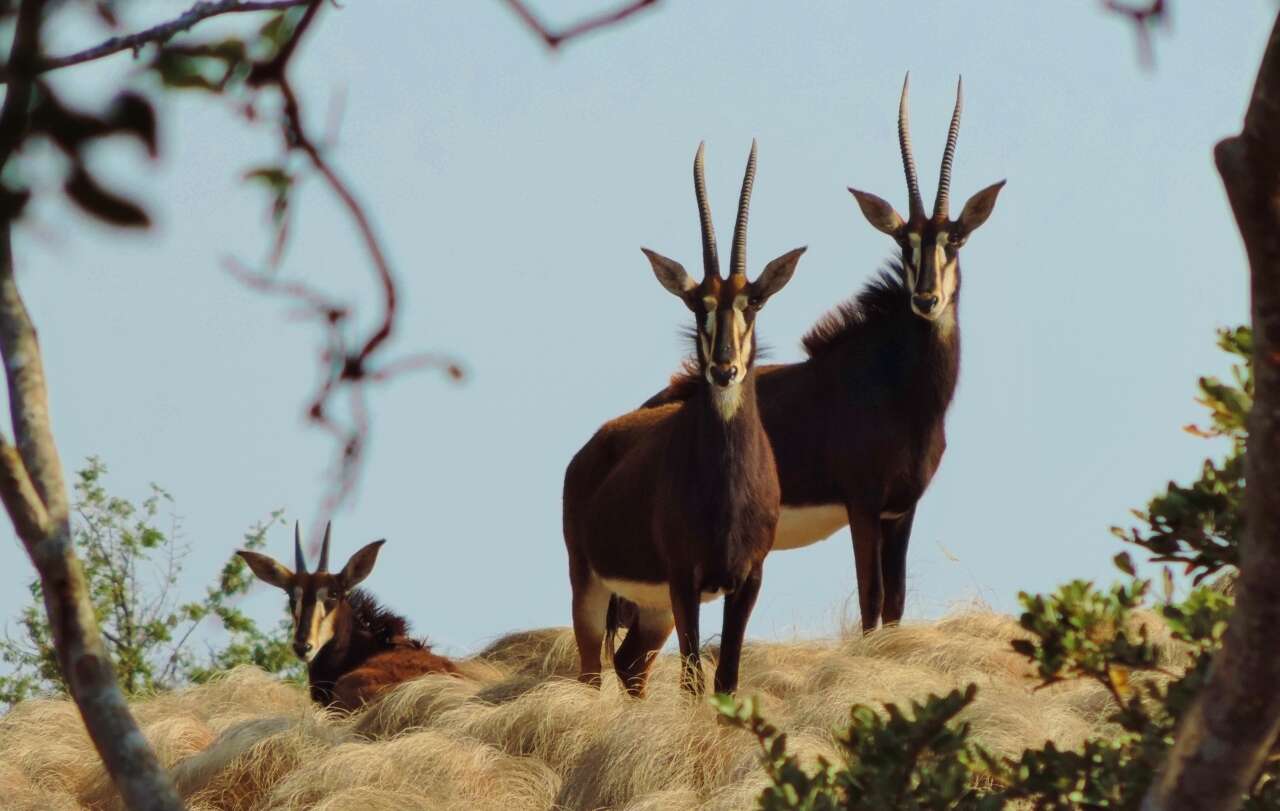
914 239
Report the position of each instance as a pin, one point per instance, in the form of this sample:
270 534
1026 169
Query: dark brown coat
370 652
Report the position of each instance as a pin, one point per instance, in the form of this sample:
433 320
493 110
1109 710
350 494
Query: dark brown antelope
353 647
858 429
673 506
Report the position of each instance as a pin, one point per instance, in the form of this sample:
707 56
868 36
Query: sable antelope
858 429
353 647
673 506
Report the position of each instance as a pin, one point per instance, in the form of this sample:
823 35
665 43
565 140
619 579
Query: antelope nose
925 303
302 649
723 375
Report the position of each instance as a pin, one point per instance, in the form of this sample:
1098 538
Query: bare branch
20 498
161 33
1144 18
554 39
1225 738
346 364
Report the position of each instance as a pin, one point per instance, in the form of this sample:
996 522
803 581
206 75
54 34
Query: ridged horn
710 258
941 206
738 255
299 559
324 549
908 160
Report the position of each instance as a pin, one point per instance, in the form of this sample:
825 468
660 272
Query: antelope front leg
737 610
685 605
865 526
897 534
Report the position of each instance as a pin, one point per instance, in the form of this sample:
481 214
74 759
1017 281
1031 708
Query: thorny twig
1144 18
161 33
554 39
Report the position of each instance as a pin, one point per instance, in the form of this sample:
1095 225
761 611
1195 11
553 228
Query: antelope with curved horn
674 506
858 429
353 647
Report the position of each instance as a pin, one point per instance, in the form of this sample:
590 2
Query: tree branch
346 364
160 33
554 39
82 657
1144 17
20 498
1226 736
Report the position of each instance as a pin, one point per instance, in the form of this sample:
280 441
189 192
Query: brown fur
369 654
370 650
680 502
860 424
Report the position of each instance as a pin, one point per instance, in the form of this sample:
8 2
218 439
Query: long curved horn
908 160
324 549
941 206
738 255
299 559
710 258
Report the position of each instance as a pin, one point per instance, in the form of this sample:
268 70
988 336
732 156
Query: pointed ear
267 569
671 275
978 208
775 276
360 565
878 212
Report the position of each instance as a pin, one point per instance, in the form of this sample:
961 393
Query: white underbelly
801 526
648 595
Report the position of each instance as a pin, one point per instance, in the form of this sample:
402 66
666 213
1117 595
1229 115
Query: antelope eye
755 302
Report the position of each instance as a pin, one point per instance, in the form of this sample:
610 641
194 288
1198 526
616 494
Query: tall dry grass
518 733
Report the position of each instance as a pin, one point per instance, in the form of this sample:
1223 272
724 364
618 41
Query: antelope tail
622 613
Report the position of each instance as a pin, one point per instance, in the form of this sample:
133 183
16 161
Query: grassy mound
519 733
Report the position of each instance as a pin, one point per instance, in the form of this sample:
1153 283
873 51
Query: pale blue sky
514 188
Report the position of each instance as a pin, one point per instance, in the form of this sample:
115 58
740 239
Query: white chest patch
801 526
647 595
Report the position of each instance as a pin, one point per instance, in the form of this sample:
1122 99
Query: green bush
924 760
132 566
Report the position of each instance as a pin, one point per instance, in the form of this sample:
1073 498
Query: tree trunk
35 497
1226 736
34 493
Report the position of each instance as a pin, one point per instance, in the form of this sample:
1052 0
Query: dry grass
516 733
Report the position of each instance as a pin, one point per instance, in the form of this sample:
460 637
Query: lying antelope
353 647
858 428
673 506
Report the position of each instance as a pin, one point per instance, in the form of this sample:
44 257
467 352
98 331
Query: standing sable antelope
858 429
353 647
673 506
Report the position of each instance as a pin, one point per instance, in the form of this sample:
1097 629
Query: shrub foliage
133 558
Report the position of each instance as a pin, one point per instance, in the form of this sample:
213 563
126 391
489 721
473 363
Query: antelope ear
978 208
267 569
360 566
671 275
878 212
775 276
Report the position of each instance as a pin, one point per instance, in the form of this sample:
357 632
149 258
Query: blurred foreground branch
554 39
